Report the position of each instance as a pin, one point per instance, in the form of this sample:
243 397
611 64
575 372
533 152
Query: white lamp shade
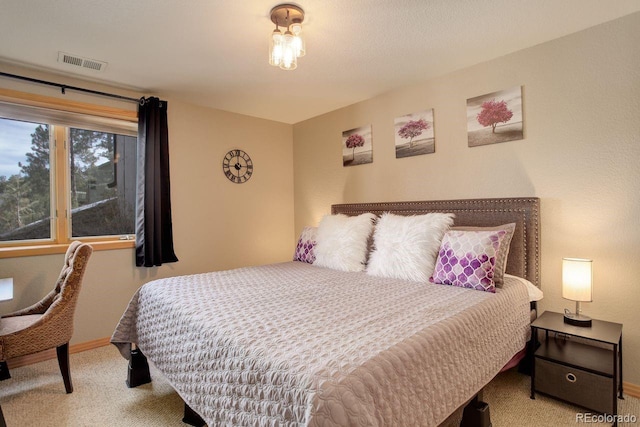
577 279
6 289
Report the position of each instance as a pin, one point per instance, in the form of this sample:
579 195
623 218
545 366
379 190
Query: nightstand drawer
574 385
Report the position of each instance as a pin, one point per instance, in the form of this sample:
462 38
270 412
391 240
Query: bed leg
4 371
476 413
192 418
138 372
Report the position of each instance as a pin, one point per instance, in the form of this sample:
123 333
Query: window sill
55 248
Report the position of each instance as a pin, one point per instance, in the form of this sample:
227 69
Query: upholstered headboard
524 254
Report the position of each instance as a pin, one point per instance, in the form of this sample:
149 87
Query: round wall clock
237 166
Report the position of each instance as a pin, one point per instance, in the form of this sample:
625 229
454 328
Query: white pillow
406 247
535 293
342 241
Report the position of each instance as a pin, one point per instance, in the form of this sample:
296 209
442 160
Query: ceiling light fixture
285 49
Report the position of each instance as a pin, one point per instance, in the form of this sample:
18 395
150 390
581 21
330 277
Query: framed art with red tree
357 146
495 117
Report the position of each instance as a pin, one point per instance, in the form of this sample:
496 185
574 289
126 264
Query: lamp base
577 319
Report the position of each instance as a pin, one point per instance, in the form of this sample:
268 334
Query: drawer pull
571 377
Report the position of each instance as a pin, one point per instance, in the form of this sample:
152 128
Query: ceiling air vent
79 61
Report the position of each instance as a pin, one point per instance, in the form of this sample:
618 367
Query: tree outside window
100 189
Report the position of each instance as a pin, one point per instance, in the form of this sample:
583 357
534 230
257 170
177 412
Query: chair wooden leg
4 371
63 362
3 423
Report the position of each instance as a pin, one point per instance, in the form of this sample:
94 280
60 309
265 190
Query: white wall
580 156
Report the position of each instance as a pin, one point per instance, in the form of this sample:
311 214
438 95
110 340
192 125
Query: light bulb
289 58
298 41
275 48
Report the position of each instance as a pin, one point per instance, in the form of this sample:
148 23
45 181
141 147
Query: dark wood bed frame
523 261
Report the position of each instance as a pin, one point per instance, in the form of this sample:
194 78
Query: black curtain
154 231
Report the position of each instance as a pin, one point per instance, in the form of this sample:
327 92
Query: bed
298 344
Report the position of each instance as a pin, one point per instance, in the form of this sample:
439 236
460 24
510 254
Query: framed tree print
495 117
357 146
414 134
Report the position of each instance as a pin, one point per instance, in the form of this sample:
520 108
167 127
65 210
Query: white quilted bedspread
300 345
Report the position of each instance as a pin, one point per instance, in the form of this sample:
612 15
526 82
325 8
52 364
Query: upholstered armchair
49 323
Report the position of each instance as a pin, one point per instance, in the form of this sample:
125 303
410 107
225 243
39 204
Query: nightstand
584 373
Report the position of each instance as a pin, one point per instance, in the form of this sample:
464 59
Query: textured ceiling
214 52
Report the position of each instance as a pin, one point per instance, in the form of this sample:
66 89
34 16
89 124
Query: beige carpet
35 396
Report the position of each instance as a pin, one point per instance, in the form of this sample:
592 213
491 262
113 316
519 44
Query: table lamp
577 281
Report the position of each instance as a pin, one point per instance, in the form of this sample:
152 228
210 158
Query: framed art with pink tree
495 117
414 134
357 146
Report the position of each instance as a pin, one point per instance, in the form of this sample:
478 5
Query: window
65 176
25 181
102 184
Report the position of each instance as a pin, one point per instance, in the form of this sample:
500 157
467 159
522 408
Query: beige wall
580 156
217 224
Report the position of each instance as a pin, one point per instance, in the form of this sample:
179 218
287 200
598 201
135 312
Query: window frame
60 177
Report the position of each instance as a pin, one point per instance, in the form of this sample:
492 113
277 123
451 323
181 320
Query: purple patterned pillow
503 253
468 259
306 244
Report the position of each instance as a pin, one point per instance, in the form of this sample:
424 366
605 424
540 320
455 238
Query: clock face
237 166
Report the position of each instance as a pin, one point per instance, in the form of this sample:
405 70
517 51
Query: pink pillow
468 259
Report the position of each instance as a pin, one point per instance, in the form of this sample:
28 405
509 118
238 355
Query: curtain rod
65 87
